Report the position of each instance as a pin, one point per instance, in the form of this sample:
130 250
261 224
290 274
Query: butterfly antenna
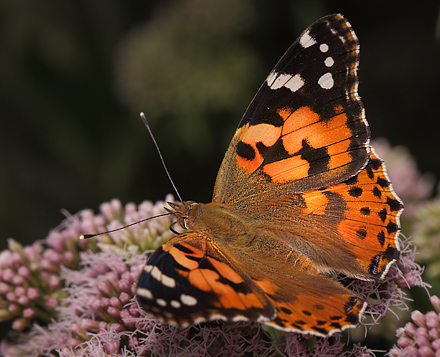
87 236
144 119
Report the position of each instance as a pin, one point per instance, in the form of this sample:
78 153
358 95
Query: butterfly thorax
215 220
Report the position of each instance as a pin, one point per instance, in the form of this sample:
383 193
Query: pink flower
420 337
410 185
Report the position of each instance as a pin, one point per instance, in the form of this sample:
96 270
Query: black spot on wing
320 330
262 149
274 153
375 164
383 214
336 325
377 193
391 253
392 227
355 192
365 211
381 238
382 182
245 151
361 233
307 313
370 172
394 204
318 158
286 310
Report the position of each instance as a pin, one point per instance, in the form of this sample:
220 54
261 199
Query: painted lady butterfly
300 195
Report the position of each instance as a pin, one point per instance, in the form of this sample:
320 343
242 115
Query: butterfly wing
351 227
307 303
363 213
300 162
189 280
305 129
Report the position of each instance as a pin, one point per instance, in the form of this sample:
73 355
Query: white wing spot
167 281
294 83
175 304
329 61
145 293
196 321
217 316
271 78
156 273
148 268
188 300
326 81
276 81
161 302
240 318
323 47
279 80
306 40
159 276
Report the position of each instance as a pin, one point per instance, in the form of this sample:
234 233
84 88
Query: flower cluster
30 283
426 230
33 279
412 186
422 336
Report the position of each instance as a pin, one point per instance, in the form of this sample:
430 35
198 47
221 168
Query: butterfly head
182 211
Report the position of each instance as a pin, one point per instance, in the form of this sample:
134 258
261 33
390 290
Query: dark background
74 76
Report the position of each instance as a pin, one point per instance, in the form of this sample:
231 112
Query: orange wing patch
309 303
372 217
304 131
306 147
366 212
253 137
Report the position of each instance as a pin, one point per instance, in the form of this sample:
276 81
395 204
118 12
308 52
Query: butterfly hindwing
369 219
350 228
325 308
305 300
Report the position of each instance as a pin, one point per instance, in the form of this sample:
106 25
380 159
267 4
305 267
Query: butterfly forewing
189 280
306 125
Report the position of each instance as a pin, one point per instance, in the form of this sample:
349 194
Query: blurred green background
74 76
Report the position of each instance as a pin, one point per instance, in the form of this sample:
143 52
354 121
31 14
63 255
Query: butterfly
300 196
